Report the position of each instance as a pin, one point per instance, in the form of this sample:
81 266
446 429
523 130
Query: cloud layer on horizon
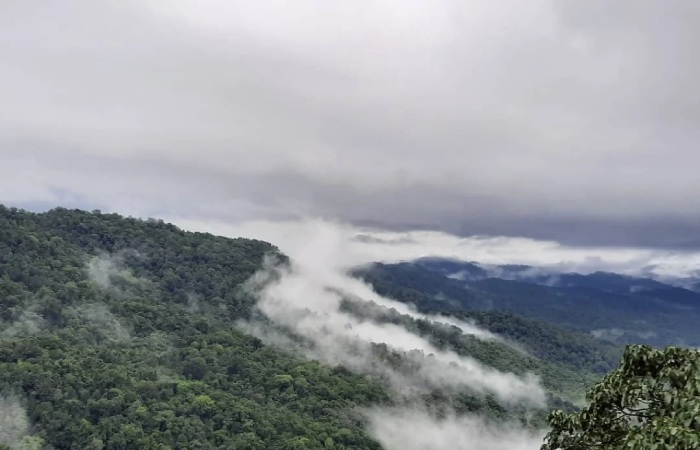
363 245
556 120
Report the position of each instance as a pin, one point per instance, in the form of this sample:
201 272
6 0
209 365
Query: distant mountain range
615 307
606 281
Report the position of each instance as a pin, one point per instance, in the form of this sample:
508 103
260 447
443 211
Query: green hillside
551 343
145 356
118 333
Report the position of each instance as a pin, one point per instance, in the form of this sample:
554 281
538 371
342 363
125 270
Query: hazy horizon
562 121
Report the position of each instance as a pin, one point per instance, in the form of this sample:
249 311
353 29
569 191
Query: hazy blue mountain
605 281
611 306
690 283
454 269
609 282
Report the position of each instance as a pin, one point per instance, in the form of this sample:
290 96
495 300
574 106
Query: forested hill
118 333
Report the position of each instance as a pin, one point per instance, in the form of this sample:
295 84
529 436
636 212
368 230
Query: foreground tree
651 402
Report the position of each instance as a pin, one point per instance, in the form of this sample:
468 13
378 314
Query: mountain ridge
121 333
651 311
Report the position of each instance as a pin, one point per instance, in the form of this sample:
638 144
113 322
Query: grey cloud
564 120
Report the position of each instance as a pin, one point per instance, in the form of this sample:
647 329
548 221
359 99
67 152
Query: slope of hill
119 333
615 307
551 343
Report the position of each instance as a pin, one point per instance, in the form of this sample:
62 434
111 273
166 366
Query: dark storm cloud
572 121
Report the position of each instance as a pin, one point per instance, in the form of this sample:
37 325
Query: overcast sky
568 121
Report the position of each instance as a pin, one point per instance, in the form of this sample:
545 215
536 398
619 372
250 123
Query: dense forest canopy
118 333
